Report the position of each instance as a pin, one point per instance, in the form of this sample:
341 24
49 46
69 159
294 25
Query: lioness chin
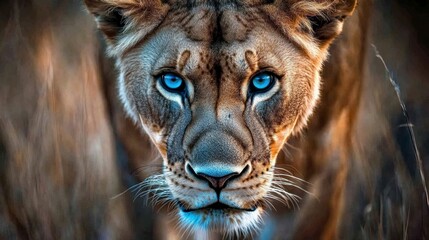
219 86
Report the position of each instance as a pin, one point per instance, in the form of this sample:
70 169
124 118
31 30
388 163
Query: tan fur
57 171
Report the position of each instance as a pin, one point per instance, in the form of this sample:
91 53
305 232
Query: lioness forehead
202 39
211 25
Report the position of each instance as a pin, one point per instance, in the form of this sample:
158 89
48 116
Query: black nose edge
217 183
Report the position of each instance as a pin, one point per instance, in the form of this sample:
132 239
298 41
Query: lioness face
218 95
219 89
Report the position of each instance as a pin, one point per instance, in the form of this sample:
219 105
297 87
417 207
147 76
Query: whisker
292 176
126 190
281 184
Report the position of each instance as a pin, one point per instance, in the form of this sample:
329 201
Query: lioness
221 86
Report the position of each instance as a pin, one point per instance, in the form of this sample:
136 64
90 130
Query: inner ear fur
119 18
323 18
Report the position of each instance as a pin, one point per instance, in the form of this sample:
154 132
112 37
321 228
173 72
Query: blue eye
262 82
173 83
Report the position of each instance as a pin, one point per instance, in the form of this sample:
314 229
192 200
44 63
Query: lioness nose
216 182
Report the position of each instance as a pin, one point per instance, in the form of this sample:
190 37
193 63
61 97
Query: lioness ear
323 18
124 22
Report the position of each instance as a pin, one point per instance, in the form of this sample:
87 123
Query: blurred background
61 163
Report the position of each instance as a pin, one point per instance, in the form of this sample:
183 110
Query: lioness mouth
217 206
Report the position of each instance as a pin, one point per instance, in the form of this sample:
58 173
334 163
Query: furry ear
125 22
323 18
